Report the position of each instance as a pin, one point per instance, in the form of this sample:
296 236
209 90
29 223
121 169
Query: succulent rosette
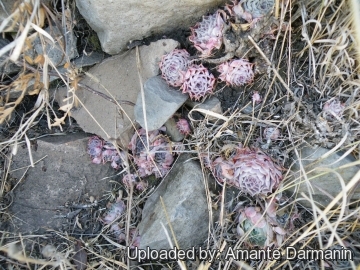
250 10
250 170
101 151
255 173
255 228
129 180
271 133
153 158
114 211
236 72
333 108
183 126
256 97
258 8
173 67
260 227
198 82
208 34
95 147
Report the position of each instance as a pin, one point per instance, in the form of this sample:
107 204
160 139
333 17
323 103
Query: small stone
88 60
172 131
161 102
183 194
211 104
327 183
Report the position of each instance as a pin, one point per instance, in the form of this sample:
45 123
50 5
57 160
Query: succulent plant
114 211
198 82
95 146
252 222
208 34
101 151
141 185
173 67
271 133
153 158
236 72
258 8
333 108
256 97
260 228
250 10
134 238
129 180
183 126
250 170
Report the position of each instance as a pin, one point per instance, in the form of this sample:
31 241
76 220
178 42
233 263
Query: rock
55 51
328 183
6 67
6 7
183 193
211 104
172 131
117 22
83 61
88 60
63 173
119 76
161 102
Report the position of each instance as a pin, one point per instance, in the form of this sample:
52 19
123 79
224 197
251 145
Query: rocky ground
76 190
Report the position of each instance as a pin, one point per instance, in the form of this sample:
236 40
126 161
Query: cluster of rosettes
259 228
333 108
101 151
250 10
173 67
208 34
250 170
196 80
152 153
236 72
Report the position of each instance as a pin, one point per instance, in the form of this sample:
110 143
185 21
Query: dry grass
313 60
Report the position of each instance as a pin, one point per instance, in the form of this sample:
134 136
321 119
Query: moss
95 42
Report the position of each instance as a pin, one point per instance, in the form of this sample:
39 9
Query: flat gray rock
117 22
321 183
64 174
183 193
161 102
116 77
